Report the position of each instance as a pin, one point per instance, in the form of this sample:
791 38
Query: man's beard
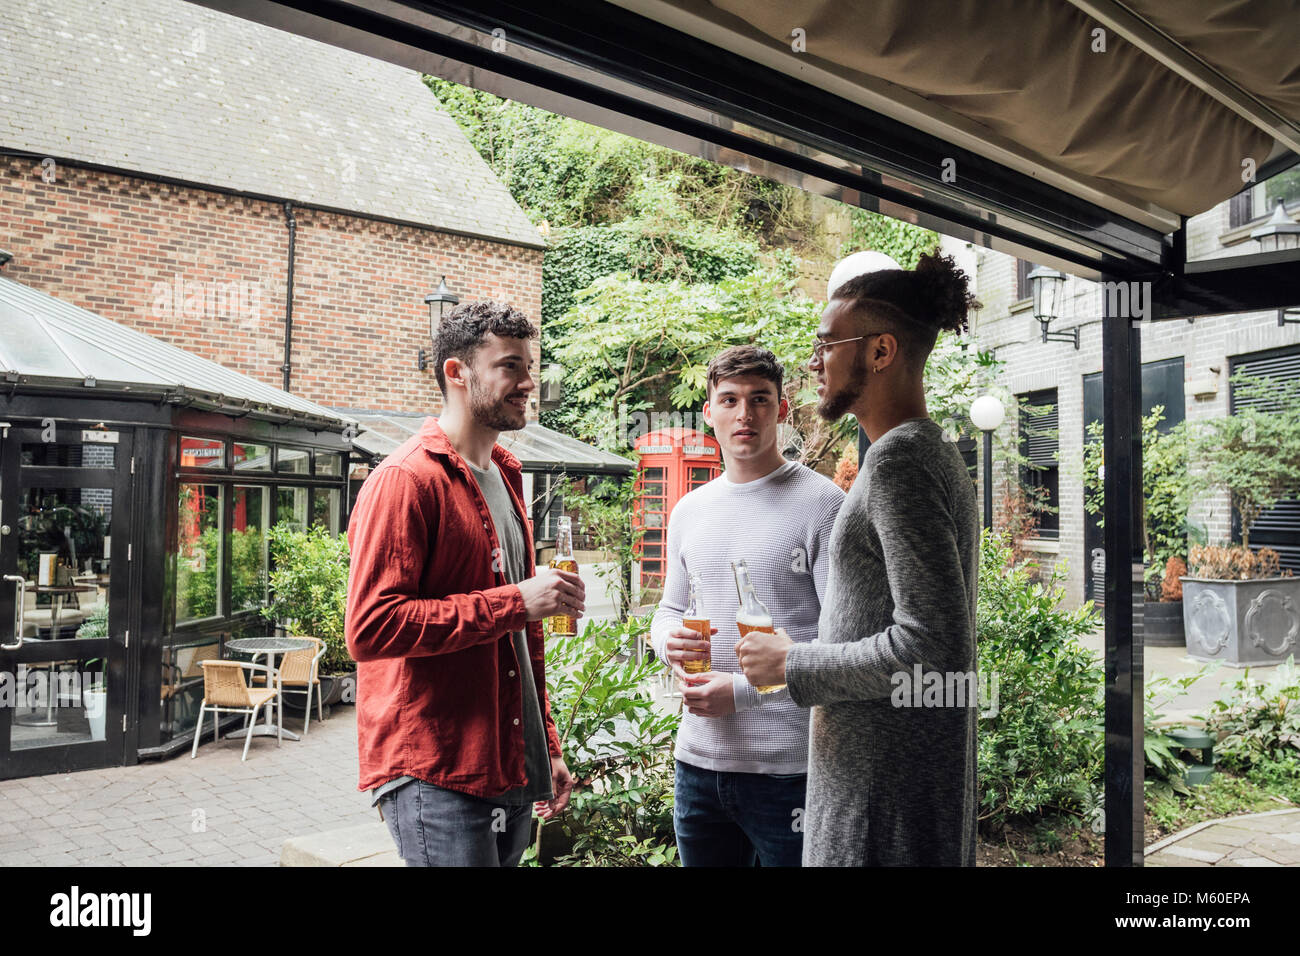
833 407
491 415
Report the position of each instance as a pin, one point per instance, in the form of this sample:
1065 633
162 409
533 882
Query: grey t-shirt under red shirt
514 562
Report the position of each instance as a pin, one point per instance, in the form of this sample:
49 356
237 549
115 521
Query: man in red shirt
454 731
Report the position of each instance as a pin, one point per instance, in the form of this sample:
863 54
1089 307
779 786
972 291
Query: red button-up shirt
430 620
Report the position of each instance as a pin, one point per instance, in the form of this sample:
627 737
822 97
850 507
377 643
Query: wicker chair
302 669
224 689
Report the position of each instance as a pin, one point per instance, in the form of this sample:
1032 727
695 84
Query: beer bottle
564 625
696 620
751 615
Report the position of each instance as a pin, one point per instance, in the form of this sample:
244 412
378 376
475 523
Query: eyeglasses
819 348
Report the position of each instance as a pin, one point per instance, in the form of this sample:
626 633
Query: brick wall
206 271
1008 326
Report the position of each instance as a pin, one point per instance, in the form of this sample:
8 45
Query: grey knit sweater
889 784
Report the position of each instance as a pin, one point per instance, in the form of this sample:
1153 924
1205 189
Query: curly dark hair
462 331
915 304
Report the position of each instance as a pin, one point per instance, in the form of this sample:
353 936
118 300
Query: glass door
64 552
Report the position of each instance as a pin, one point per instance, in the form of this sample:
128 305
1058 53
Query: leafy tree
628 343
1165 488
901 240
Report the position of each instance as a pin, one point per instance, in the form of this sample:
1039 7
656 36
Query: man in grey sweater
891 775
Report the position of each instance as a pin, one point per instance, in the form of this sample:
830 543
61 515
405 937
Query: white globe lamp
857 264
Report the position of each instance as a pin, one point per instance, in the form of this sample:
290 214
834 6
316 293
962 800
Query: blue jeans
734 819
436 827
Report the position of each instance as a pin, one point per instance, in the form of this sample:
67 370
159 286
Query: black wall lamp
443 297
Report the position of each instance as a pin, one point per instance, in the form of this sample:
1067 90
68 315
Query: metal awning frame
616 69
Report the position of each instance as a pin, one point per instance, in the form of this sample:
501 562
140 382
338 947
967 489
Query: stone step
368 844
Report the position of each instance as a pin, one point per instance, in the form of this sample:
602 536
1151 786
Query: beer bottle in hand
564 625
751 615
695 619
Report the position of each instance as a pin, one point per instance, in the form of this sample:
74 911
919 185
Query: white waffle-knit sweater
781 525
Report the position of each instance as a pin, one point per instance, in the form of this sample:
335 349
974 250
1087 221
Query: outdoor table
270 646
58 594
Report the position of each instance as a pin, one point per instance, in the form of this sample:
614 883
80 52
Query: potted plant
309 597
1162 621
1238 606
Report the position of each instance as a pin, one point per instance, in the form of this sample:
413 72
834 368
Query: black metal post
988 480
1122 442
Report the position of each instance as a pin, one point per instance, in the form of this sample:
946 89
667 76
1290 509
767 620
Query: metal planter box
1241 623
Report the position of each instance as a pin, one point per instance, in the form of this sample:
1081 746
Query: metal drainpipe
288 296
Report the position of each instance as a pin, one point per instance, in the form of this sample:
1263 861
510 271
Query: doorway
65 495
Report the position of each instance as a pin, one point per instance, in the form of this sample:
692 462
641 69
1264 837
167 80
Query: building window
1278 527
203 452
248 527
198 552
1040 443
1023 268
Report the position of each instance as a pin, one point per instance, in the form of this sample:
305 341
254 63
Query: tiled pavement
209 811
1260 839
214 810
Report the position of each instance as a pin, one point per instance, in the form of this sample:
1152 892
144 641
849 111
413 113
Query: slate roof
55 345
172 89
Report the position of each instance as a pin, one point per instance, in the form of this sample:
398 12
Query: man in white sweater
742 757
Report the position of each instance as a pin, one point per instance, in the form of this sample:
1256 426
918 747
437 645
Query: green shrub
1259 723
196 577
309 589
1164 768
1043 748
618 746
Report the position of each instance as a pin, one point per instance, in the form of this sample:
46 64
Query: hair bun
945 291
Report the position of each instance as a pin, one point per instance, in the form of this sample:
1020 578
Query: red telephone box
673 462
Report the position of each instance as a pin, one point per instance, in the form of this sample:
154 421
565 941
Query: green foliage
1164 768
617 744
196 577
1253 454
902 241
955 377
247 569
604 520
1165 488
95 625
1258 723
1279 777
309 589
635 343
1223 795
650 249
1043 748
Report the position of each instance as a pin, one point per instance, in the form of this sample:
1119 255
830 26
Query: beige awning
1147 107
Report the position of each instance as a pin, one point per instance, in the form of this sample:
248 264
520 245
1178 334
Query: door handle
20 595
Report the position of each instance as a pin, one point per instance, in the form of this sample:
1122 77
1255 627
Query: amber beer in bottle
696 620
751 615
564 625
